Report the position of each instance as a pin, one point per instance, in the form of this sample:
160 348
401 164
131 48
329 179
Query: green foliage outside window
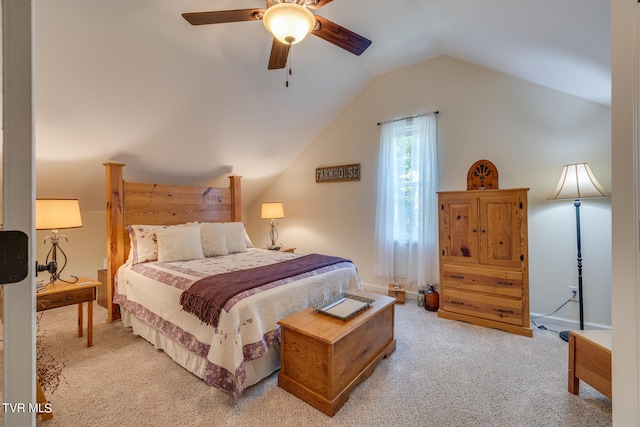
407 180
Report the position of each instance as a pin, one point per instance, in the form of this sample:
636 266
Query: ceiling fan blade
279 53
317 4
222 16
340 36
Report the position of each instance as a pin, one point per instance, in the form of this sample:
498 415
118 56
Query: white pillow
247 239
179 243
214 239
234 232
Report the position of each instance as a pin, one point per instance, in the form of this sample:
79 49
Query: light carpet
443 373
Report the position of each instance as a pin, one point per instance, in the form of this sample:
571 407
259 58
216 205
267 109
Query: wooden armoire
484 276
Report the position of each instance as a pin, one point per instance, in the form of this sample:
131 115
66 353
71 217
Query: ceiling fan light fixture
289 22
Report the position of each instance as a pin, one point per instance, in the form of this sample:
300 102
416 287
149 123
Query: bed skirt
256 369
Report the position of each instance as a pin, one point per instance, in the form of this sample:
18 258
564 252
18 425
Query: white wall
529 132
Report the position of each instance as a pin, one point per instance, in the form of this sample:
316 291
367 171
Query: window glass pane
407 185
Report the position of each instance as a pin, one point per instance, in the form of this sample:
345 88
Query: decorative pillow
214 239
179 243
144 247
234 232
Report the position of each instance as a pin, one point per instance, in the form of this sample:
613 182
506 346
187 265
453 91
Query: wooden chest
323 358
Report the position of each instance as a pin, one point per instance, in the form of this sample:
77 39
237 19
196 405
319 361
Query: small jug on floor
431 299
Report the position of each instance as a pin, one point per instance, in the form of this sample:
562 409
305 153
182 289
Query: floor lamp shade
577 182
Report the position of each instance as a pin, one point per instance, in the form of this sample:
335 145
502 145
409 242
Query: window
407 203
406 213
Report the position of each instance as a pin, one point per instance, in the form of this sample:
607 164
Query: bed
154 265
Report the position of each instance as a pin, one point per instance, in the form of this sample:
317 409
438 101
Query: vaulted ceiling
132 81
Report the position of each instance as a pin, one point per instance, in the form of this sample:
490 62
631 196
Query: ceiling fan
274 12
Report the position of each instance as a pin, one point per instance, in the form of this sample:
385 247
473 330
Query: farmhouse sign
338 173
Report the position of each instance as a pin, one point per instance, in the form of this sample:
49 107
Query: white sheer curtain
406 235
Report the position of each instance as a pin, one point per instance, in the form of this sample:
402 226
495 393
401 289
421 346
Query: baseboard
564 323
374 288
410 295
561 322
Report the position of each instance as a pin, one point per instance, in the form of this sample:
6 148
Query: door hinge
14 256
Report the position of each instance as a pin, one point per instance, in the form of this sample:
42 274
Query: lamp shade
272 210
289 22
578 182
55 214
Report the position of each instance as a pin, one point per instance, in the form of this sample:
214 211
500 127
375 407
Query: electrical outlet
573 293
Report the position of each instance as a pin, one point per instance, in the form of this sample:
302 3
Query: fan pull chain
288 72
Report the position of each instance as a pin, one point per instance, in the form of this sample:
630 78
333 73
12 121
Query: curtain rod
409 117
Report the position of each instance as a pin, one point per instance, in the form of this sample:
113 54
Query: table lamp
273 211
54 215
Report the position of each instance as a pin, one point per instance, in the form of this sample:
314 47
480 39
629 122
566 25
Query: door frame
18 194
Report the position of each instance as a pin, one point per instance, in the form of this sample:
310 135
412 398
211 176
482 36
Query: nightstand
284 249
60 294
102 289
397 291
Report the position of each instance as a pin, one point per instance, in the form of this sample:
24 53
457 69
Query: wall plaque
338 173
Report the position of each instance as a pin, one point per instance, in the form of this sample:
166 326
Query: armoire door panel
499 231
459 231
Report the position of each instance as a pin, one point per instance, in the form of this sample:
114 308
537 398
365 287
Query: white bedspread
248 324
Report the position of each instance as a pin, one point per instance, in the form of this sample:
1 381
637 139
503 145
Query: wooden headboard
131 203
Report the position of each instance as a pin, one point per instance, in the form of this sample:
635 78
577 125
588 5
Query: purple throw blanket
206 297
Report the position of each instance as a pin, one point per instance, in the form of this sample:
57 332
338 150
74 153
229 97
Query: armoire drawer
506 310
491 281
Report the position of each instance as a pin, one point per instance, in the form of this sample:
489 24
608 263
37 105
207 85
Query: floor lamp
577 182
